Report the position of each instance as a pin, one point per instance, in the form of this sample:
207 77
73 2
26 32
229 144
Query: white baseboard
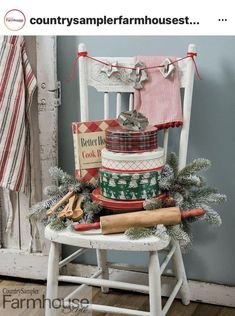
21 264
200 291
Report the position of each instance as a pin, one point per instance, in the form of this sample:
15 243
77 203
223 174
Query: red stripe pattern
17 84
125 141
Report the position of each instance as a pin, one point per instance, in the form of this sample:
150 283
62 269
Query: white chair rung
72 257
127 267
167 259
79 288
172 297
106 283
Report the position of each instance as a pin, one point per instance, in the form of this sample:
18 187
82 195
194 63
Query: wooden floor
114 298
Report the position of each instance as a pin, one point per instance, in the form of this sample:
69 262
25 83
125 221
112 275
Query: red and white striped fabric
17 84
160 99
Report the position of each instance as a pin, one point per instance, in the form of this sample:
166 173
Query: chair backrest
90 74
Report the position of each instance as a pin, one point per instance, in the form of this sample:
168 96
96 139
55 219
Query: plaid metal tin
120 140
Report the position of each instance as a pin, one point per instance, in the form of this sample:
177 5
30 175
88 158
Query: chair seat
95 239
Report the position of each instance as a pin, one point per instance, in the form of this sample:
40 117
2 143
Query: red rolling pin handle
193 213
83 227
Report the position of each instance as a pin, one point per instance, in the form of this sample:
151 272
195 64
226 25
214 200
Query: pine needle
211 216
139 232
152 204
172 161
58 224
195 166
167 178
178 234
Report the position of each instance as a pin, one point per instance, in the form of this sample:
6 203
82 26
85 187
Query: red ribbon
192 55
85 54
82 54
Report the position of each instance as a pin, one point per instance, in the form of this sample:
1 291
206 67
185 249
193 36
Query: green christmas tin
129 185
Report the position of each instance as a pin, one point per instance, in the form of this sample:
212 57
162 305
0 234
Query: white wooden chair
90 75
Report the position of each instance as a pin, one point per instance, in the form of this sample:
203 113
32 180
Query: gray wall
212 257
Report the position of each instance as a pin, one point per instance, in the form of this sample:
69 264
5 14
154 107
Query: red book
89 140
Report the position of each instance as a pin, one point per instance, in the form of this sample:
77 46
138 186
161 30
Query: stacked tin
126 141
131 164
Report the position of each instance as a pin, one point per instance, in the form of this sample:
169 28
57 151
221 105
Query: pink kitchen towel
159 99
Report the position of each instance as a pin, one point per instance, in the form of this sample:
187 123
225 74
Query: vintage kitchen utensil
118 223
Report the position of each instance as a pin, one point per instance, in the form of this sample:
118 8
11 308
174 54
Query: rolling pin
119 223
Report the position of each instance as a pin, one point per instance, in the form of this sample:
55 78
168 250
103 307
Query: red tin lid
119 205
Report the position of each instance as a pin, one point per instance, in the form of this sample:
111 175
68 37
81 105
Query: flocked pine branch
63 182
152 204
91 209
172 161
212 198
177 233
139 232
195 166
167 178
57 224
191 180
60 177
189 190
211 216
179 199
51 190
42 206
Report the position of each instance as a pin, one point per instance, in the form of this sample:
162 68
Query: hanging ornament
128 75
110 69
168 68
140 76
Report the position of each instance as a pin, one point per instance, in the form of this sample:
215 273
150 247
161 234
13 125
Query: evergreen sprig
139 232
91 210
152 204
173 163
57 224
63 183
195 166
177 233
189 190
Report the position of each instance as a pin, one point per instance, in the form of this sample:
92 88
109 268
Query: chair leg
102 264
52 279
180 273
155 299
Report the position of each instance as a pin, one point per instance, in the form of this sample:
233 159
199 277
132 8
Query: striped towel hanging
17 84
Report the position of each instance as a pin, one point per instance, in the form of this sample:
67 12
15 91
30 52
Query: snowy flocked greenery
186 189
189 190
63 182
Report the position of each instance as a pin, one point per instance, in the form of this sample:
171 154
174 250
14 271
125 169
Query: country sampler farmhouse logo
14 20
